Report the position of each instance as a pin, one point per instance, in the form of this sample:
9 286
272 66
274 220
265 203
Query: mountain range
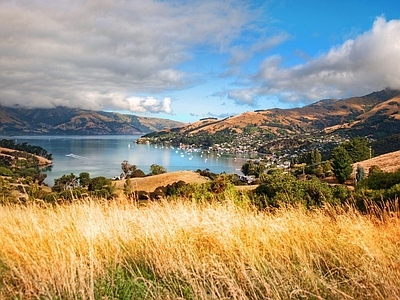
63 120
376 115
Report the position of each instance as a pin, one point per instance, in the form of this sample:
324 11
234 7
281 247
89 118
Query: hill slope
375 114
150 183
63 120
388 162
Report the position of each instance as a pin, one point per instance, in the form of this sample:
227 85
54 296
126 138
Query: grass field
186 250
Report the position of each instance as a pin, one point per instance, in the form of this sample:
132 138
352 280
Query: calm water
102 156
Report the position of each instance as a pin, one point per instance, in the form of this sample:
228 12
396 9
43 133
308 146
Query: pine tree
341 164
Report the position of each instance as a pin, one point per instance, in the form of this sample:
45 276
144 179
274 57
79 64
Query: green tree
248 168
358 149
157 169
84 179
315 157
253 168
99 183
137 173
64 182
327 167
341 164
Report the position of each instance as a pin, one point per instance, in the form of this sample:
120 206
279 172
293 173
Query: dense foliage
341 164
253 168
358 149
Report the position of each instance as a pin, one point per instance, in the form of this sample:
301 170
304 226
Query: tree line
36 150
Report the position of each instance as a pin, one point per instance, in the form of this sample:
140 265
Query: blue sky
186 60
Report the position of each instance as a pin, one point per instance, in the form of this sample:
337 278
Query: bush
157 169
285 189
137 173
51 197
5 172
99 183
72 194
379 180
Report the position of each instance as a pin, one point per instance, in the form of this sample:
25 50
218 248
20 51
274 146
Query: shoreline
42 162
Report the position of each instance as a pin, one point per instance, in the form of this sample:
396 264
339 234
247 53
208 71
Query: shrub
285 189
137 173
157 169
51 197
5 171
99 183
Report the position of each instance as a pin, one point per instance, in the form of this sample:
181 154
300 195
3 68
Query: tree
128 187
157 169
248 168
84 179
137 173
341 164
99 183
327 167
315 157
358 149
64 182
253 168
360 173
127 168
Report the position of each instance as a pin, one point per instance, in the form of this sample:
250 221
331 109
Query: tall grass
188 250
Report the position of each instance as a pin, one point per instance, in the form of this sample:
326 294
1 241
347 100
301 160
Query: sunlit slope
371 114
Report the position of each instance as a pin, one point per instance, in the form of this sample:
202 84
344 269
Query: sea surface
102 155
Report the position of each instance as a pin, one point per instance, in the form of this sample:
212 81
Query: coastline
42 162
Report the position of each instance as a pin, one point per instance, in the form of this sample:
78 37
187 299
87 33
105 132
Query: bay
102 155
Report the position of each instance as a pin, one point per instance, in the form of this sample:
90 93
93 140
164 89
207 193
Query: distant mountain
63 120
376 114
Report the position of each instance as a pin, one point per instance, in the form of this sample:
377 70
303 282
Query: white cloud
243 97
82 53
370 62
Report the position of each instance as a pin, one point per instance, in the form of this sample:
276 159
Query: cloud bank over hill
370 62
192 58
105 54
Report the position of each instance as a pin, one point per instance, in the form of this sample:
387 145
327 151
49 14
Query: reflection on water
103 155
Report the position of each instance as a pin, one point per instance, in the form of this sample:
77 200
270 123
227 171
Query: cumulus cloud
243 97
96 54
367 63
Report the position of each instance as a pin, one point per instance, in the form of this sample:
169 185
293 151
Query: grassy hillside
376 116
63 120
389 162
356 113
186 250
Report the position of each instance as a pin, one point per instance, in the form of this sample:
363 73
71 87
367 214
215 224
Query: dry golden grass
150 183
186 250
389 162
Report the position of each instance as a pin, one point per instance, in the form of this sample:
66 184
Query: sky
186 60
